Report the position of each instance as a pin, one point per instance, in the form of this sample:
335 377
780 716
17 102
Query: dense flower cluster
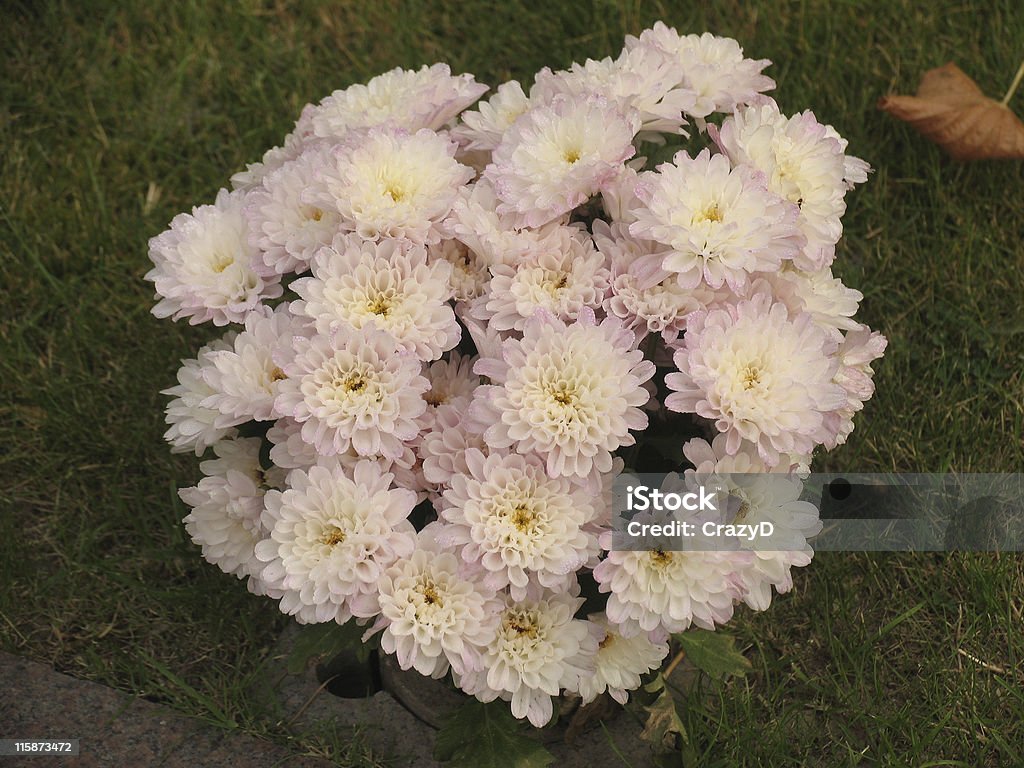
469 310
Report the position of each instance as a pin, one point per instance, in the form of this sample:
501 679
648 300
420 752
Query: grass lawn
116 116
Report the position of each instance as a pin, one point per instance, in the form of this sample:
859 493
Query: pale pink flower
568 393
203 265
562 275
539 649
760 375
332 536
469 275
660 592
621 661
193 426
358 390
518 525
857 351
444 447
410 99
286 230
642 78
721 223
434 616
497 238
226 507
713 69
391 183
245 378
804 162
557 155
388 285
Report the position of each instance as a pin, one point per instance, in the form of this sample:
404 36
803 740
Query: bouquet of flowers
451 321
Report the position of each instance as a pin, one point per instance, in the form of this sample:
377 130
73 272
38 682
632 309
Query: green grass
114 119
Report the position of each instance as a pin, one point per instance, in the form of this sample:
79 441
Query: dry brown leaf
950 110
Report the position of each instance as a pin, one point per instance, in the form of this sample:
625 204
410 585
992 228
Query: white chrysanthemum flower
245 378
570 394
649 300
859 348
287 230
495 238
557 155
452 383
194 427
226 507
434 617
760 375
469 275
562 276
393 184
358 390
829 302
643 78
443 449
621 661
482 128
203 265
332 535
712 68
539 650
758 493
663 592
805 163
721 223
358 283
518 525
288 449
411 99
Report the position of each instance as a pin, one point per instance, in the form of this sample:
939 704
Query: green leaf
482 735
713 652
663 729
322 641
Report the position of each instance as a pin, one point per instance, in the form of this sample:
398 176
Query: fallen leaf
950 110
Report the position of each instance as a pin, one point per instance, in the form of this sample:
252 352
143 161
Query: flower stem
1013 86
673 664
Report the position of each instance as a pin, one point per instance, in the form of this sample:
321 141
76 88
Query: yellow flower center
562 395
751 377
430 596
380 305
711 213
354 382
522 517
661 559
222 262
332 536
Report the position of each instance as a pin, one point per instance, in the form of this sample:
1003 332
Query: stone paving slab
117 729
